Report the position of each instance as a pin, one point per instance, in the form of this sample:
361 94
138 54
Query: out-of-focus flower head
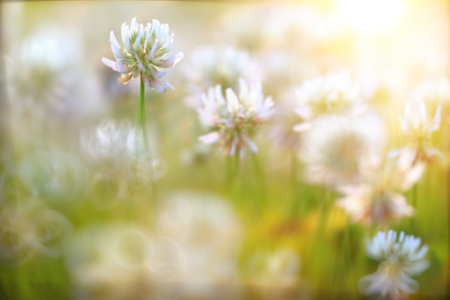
43 78
112 140
110 261
31 229
195 249
335 149
56 177
281 266
221 65
234 118
399 260
377 198
418 128
144 52
121 146
433 92
332 94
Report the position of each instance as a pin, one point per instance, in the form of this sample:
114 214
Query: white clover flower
377 197
194 249
399 260
44 78
121 146
31 229
336 148
144 52
234 118
56 177
332 94
433 92
110 259
418 128
112 140
221 65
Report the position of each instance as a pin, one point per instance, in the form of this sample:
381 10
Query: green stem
236 175
143 126
347 257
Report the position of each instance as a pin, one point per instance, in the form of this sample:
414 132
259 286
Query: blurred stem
143 126
259 175
236 174
297 205
414 204
229 174
347 256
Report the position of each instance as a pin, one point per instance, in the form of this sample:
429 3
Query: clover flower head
418 127
433 91
234 118
332 94
220 65
377 197
399 260
111 140
336 148
144 52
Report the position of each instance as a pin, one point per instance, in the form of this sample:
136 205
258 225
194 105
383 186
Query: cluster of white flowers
332 94
189 246
144 53
234 118
399 260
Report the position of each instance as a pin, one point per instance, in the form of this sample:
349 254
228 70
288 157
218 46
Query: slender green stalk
414 204
236 176
229 170
259 172
347 256
143 126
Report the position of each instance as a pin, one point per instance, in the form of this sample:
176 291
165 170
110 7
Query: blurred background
77 219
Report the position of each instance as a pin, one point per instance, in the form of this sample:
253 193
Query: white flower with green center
399 260
234 118
144 51
332 94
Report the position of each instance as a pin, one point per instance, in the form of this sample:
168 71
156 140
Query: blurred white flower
418 128
221 65
29 229
336 148
332 94
377 197
433 92
234 118
144 52
198 247
121 146
112 140
58 177
399 260
44 79
280 267
109 261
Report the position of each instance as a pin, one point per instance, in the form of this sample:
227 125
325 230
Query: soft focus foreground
273 150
